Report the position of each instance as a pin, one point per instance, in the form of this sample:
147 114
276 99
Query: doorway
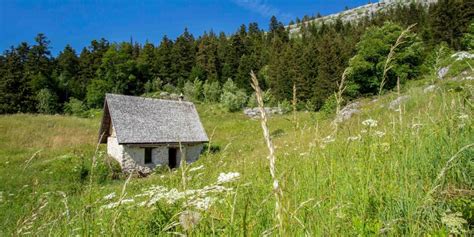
172 158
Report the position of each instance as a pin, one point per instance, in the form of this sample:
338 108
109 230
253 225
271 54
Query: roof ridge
149 98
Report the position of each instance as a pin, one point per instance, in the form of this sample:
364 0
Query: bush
285 106
211 91
96 93
170 88
153 85
233 101
329 106
47 102
193 90
75 107
268 100
372 51
233 98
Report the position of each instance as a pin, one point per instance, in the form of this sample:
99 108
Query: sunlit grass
361 181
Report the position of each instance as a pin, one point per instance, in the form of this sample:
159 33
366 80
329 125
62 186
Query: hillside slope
401 171
356 14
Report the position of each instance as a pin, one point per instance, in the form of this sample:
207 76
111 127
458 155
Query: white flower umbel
196 168
202 203
116 204
370 123
329 139
109 196
354 138
227 177
379 133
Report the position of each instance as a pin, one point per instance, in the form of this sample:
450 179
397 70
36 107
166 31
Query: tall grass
367 180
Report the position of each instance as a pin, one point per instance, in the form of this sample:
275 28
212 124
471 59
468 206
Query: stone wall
132 157
193 152
114 149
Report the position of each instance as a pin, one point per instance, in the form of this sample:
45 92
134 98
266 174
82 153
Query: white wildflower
202 203
354 138
370 123
116 204
228 177
363 131
454 222
379 133
196 168
109 196
416 125
462 55
329 139
463 116
189 219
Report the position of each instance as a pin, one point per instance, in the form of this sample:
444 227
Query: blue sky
78 22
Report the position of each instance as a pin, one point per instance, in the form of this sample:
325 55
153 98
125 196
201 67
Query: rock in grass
442 72
255 112
395 103
429 89
347 112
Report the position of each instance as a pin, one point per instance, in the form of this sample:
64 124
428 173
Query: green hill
401 171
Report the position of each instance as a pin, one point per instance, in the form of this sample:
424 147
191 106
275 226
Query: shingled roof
139 120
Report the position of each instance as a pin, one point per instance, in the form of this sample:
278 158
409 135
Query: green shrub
329 106
268 100
232 98
47 102
233 101
285 106
170 88
76 107
96 93
211 91
193 90
153 85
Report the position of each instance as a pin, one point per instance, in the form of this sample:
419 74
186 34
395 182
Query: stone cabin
142 133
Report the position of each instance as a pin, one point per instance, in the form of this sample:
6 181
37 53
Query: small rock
429 89
395 103
255 112
347 112
442 72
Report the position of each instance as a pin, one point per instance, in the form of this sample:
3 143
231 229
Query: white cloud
264 9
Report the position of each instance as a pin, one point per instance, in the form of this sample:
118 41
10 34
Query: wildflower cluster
370 123
454 222
200 199
229 177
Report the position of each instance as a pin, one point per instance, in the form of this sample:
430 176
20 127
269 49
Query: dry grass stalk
391 55
400 113
294 101
210 140
341 88
272 158
122 196
442 173
31 158
94 161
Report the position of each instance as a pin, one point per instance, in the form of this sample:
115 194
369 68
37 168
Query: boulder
130 166
442 72
429 89
347 112
395 103
255 112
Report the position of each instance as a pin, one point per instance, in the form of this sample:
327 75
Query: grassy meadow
383 172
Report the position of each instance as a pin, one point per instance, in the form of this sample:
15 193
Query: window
148 155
